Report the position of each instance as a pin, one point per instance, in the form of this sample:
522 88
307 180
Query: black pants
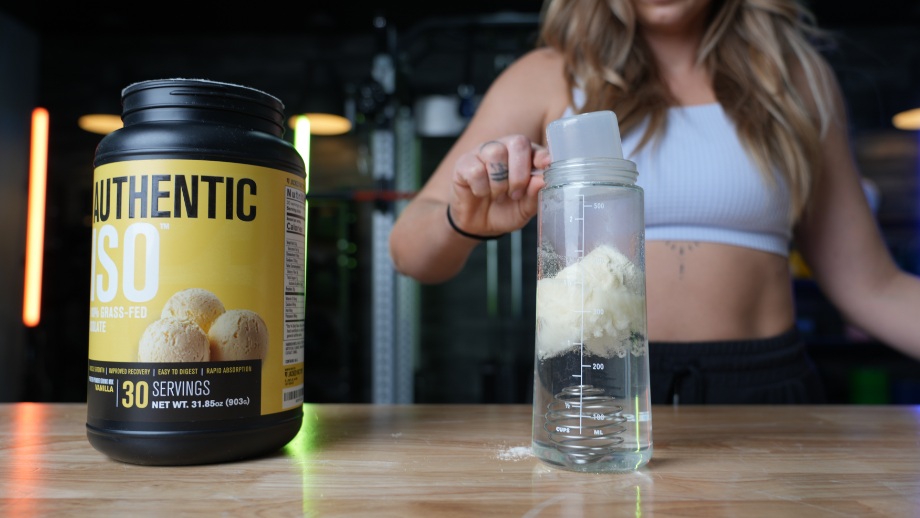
773 370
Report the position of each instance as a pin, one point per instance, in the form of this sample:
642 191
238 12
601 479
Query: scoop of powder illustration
195 304
173 340
238 334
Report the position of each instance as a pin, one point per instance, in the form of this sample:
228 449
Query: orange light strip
35 224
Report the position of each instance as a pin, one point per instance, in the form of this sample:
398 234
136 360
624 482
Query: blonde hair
766 72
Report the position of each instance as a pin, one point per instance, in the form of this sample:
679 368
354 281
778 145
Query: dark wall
18 87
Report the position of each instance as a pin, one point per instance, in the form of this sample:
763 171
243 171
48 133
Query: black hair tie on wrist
467 234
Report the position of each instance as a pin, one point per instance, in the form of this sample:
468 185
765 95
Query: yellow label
197 280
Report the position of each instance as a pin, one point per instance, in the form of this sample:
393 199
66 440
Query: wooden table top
474 460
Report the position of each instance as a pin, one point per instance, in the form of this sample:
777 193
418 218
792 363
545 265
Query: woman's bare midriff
698 291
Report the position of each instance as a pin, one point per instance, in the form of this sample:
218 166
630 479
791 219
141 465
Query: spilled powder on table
514 453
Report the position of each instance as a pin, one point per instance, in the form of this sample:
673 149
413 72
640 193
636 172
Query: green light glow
305 441
302 143
638 502
300 449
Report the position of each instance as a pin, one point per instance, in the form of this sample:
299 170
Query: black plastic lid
202 99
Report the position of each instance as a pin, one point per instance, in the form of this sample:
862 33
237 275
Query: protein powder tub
196 350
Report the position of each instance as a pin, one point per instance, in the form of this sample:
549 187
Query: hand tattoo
488 143
499 171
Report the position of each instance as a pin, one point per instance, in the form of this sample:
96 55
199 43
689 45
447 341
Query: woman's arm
486 176
841 243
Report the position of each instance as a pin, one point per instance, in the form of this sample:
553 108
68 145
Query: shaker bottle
591 405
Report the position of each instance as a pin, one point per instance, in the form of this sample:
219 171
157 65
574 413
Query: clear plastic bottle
591 380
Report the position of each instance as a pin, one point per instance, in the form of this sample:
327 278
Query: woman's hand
486 179
495 188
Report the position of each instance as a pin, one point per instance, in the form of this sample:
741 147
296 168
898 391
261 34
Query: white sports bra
701 185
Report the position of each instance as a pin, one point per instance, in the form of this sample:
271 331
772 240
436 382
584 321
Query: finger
494 154
520 164
470 172
541 158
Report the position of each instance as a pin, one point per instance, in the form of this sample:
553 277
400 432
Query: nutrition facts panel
294 275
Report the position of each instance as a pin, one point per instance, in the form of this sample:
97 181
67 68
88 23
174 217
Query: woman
738 129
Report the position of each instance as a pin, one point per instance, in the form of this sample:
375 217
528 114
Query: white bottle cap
588 135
